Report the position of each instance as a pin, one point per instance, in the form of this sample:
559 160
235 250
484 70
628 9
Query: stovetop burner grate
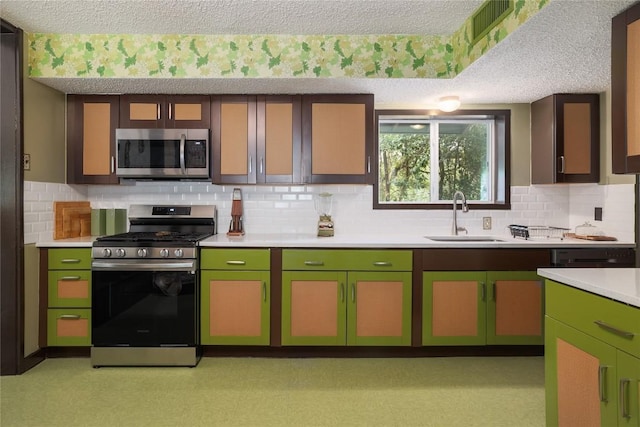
155 236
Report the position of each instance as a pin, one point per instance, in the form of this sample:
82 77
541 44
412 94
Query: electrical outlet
26 162
486 223
597 215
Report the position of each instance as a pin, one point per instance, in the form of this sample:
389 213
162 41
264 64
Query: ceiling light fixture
417 126
449 103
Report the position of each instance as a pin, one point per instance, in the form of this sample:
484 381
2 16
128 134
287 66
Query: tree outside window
423 160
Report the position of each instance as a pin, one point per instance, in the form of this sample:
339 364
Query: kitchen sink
464 238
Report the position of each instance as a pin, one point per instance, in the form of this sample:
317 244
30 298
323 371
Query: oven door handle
137 266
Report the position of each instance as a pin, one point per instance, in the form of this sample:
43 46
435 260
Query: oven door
144 303
162 153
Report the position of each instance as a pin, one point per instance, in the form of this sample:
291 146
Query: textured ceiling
563 48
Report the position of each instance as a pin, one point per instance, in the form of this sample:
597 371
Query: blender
323 202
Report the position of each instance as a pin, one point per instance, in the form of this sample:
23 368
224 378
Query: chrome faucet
458 195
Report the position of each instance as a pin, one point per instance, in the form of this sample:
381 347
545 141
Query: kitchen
289 209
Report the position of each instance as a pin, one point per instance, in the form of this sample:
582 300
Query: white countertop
371 240
620 284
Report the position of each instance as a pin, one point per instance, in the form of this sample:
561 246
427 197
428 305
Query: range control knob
120 252
178 253
142 252
106 252
164 253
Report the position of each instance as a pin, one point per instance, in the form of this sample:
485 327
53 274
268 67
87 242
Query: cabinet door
454 308
515 309
625 91
279 139
379 308
338 139
628 390
580 378
91 133
69 288
235 307
233 122
189 112
578 137
162 111
314 308
68 327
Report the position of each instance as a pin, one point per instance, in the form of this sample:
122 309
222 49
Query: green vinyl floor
443 392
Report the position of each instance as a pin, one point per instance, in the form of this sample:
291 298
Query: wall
290 209
44 130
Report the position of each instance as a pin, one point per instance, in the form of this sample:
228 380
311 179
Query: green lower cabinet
235 307
69 288
515 308
334 308
454 310
68 327
580 378
482 307
69 297
629 390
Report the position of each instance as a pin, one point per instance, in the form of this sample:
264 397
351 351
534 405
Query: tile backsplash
290 209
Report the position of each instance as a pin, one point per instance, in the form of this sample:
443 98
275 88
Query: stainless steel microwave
162 153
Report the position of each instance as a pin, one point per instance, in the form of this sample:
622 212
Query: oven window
144 308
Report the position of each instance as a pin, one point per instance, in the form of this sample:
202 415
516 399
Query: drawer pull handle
624 397
602 383
341 292
314 263
614 330
70 278
264 291
353 292
382 264
236 263
70 317
70 261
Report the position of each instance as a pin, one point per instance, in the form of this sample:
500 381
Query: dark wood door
91 134
625 91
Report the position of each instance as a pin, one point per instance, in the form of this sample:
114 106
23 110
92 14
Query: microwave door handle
182 147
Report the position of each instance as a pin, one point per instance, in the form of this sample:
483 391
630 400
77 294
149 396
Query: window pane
464 160
423 159
403 155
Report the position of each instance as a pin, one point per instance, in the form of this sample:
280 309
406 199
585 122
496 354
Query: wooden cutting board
594 238
69 218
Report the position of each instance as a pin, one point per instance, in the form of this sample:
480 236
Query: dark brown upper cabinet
91 133
337 139
565 139
625 91
256 139
165 111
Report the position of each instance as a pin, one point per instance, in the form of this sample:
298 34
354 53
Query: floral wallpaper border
266 56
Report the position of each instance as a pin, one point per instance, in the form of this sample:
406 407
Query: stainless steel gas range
145 289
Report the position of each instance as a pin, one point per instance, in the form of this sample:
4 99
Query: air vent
488 16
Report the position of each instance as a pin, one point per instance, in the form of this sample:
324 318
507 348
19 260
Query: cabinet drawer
235 259
65 259
613 322
68 327
354 260
70 288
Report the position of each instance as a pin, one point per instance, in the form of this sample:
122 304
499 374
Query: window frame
502 131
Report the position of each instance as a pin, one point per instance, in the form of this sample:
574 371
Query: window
423 159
